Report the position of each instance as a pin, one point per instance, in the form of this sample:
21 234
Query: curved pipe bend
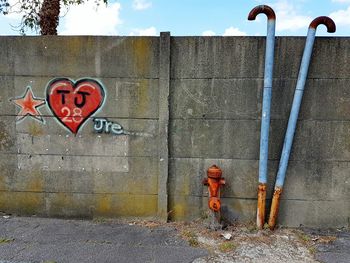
265 9
324 20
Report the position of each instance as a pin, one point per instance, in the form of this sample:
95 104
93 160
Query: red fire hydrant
214 181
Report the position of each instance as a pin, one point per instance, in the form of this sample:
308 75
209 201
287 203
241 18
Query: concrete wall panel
215 98
45 174
217 57
85 56
7 134
323 213
7 63
184 103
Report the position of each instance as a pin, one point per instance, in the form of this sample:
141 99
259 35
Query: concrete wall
47 170
185 103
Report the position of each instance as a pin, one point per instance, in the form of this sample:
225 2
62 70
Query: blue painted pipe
266 106
293 117
265 117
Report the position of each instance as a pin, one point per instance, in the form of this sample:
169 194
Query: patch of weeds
6 240
252 227
312 250
193 242
308 241
227 246
266 226
188 234
304 238
99 220
204 215
191 238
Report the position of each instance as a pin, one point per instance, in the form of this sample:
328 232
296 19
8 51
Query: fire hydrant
214 181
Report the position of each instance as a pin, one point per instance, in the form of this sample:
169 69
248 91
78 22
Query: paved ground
42 240
337 251
55 240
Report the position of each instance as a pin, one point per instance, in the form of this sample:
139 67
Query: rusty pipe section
262 9
214 181
293 117
323 20
266 106
260 216
274 207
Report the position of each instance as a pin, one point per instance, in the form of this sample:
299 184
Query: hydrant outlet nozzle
214 204
214 180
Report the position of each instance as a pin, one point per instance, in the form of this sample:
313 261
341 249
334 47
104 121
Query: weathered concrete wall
199 96
216 96
49 171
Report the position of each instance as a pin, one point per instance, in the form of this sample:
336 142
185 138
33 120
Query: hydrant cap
214 172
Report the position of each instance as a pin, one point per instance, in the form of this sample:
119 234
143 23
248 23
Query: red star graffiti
29 104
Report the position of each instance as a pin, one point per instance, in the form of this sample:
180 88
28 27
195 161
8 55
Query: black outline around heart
74 85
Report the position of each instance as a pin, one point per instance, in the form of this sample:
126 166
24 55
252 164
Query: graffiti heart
74 102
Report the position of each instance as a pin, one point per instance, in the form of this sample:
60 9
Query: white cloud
233 31
88 19
208 33
151 31
288 18
141 4
341 17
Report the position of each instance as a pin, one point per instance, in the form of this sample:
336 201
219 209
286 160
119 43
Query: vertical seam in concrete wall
164 84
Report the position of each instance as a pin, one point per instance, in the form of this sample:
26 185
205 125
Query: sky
192 18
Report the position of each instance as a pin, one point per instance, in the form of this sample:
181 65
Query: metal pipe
265 119
293 117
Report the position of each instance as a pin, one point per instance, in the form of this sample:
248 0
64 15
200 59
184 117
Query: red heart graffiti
74 102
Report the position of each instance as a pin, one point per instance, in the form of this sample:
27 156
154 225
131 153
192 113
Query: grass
188 234
193 242
312 250
304 238
99 220
191 238
204 215
227 246
6 240
251 227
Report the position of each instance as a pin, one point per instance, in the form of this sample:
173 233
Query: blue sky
193 17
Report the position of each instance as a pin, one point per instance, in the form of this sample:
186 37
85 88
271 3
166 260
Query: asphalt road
56 240
47 240
337 251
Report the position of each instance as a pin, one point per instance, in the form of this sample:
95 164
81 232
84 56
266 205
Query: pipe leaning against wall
266 106
293 117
